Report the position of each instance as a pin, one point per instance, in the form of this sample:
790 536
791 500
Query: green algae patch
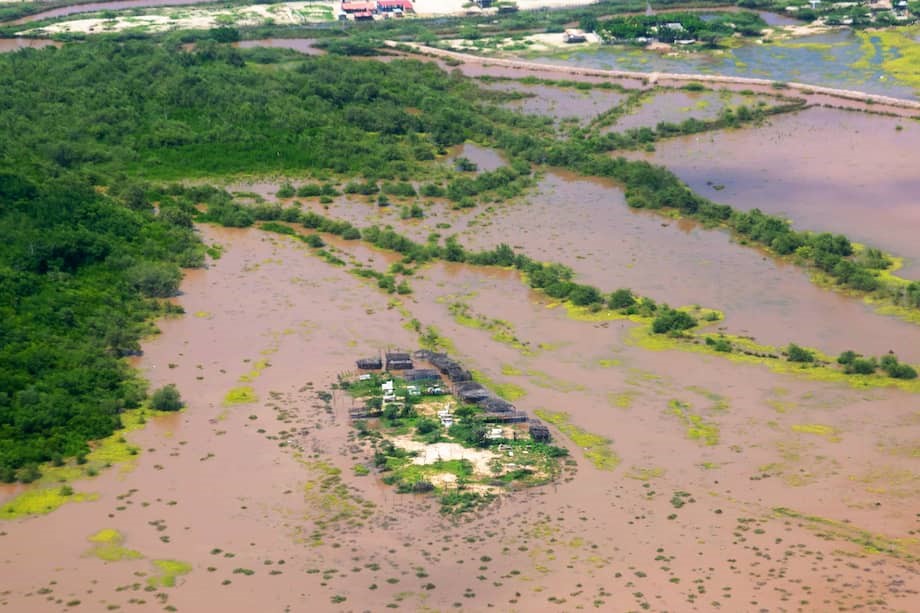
167 572
41 501
645 474
595 447
501 331
109 546
547 381
827 432
508 391
697 428
901 548
511 371
256 371
900 53
243 394
622 400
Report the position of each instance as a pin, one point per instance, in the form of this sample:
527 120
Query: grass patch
827 432
243 394
508 391
697 428
108 546
168 572
595 447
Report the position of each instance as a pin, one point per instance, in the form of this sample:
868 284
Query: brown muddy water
675 106
92 7
557 102
15 44
303 45
587 225
825 169
223 489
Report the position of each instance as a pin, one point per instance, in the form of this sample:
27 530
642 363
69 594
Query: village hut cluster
446 374
381 9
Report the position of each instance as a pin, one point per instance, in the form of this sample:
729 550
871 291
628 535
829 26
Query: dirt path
813 93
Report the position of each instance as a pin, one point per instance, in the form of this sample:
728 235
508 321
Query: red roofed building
358 7
387 6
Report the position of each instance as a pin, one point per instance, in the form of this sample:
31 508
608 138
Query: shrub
166 398
286 191
799 354
861 366
671 320
621 299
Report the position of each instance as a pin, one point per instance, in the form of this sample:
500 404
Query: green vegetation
669 27
595 447
167 398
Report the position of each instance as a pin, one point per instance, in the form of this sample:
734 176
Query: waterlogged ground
838 58
698 480
822 168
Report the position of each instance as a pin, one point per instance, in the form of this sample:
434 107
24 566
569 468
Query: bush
286 191
621 299
166 398
155 279
799 354
671 321
861 366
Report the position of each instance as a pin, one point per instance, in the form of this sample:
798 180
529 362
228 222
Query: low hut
511 417
539 432
496 405
470 391
422 374
457 374
370 363
398 361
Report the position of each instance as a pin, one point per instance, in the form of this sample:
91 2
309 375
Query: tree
166 398
799 354
155 280
621 299
672 320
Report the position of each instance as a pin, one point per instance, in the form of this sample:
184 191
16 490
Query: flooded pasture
824 169
559 103
227 488
835 59
15 44
674 106
302 45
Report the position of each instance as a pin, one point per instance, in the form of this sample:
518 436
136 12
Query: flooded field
826 170
302 45
222 495
559 103
675 106
15 44
835 59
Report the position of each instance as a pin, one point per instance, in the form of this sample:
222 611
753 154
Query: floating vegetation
167 573
253 374
902 548
595 447
644 474
622 400
508 391
697 428
243 394
829 433
109 546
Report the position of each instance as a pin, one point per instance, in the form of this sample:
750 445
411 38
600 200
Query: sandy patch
442 452
175 18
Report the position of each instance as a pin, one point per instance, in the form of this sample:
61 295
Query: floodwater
228 489
826 170
675 106
558 102
822 59
587 225
303 45
92 7
15 44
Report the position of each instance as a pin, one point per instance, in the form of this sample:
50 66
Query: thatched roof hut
370 363
539 432
398 361
496 405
